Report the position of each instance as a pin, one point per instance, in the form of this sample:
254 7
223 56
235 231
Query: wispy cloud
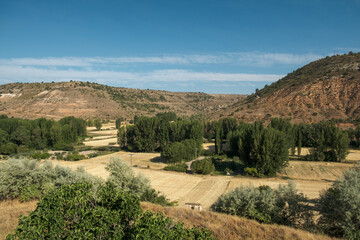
170 70
247 59
33 74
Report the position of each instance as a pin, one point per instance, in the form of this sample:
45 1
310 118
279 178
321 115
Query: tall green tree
264 149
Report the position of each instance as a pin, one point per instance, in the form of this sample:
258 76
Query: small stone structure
194 206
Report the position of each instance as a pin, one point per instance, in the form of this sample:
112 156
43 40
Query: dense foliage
155 133
180 151
20 135
282 206
340 206
78 212
123 178
354 136
328 142
27 179
204 166
264 149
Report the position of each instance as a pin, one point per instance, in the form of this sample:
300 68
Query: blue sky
208 46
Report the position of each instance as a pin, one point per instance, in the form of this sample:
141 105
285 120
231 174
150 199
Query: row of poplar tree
22 135
177 140
266 149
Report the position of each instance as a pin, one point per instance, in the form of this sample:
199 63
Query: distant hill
91 100
324 89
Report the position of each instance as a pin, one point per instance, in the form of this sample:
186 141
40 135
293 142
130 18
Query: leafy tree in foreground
78 212
340 206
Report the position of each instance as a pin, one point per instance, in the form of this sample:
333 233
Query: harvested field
105 137
101 142
184 187
328 171
354 155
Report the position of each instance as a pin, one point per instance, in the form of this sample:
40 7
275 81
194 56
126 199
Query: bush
27 179
204 166
179 167
8 148
74 157
340 206
40 155
251 172
282 206
123 178
79 212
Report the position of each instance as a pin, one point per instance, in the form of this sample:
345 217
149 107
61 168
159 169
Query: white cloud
247 59
33 74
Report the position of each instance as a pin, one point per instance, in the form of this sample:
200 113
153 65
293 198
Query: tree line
265 150
177 140
23 135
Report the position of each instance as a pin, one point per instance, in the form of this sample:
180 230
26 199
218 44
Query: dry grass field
223 226
184 187
310 177
10 211
226 227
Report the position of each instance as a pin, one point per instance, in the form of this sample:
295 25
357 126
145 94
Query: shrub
74 157
40 155
27 179
8 148
179 167
282 206
123 177
251 172
204 166
79 212
339 206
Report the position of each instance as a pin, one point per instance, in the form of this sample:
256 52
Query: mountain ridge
91 100
327 88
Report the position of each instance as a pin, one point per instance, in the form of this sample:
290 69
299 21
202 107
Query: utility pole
131 159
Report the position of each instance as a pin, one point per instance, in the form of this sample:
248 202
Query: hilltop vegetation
322 90
346 66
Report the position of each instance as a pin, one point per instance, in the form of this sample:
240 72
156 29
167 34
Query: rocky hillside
91 100
325 89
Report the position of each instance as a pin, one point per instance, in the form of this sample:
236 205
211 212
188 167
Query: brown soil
90 100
